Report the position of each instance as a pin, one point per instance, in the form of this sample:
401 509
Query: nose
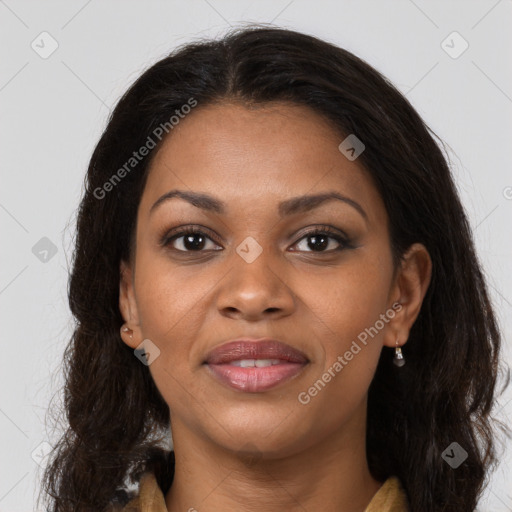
255 290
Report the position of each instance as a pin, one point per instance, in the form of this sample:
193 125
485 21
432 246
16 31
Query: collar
390 497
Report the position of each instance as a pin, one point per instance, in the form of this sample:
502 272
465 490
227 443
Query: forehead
264 153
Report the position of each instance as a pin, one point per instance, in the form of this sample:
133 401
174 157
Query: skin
266 451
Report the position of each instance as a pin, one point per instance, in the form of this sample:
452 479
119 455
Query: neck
331 474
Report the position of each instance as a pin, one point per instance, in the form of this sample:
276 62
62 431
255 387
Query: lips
255 365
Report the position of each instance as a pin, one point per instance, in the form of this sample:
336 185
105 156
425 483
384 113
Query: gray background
54 109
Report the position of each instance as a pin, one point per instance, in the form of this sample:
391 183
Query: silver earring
127 329
398 360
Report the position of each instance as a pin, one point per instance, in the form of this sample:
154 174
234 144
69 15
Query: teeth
258 363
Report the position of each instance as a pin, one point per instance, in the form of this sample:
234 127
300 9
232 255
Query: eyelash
344 242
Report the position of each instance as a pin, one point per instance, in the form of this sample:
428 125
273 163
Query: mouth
255 365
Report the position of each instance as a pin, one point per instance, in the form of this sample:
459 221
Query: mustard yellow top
389 498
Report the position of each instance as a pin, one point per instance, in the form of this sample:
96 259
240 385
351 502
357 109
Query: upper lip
263 348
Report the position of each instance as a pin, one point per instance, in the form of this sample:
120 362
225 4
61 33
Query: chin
272 434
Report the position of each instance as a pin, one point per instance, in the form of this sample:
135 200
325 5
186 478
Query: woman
272 261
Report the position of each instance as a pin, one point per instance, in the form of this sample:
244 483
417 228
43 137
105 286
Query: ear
128 306
409 288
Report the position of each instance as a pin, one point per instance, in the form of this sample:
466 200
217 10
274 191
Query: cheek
350 312
167 298
347 359
350 298
170 315
175 311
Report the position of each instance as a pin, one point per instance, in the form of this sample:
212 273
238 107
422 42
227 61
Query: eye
323 239
189 239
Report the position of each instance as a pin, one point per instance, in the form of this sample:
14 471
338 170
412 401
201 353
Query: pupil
319 242
190 245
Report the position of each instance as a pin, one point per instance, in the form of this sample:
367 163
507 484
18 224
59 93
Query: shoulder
391 497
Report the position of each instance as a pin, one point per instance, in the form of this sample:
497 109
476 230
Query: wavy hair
116 418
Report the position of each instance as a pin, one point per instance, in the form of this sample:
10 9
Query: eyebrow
290 206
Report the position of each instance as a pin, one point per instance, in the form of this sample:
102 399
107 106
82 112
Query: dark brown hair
116 417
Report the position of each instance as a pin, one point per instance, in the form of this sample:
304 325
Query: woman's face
257 270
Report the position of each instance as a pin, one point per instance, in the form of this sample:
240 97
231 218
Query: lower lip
254 380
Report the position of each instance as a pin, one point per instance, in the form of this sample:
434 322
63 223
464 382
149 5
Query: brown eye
322 240
190 240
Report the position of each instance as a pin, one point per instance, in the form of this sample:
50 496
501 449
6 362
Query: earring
127 329
398 360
